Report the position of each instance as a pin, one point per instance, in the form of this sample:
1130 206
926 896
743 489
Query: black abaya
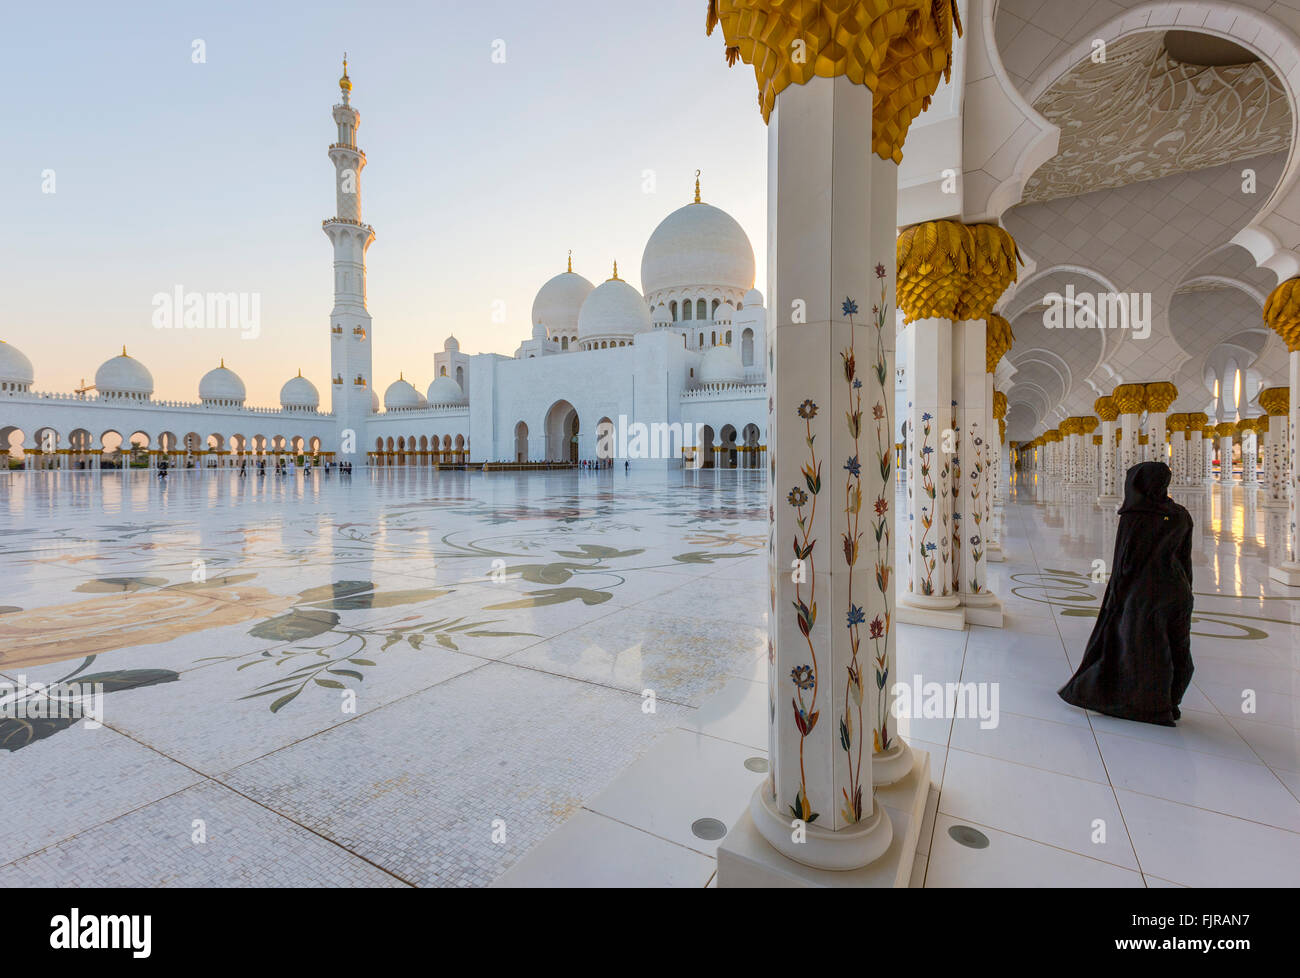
1138 662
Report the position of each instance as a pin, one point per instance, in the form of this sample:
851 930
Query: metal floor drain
709 829
966 836
756 764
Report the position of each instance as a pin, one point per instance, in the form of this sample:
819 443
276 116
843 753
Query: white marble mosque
692 345
1014 247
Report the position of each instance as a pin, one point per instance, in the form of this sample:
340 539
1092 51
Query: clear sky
214 176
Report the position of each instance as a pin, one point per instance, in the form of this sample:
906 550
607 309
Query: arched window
672 307
686 309
701 341
728 337
714 310
444 372
747 347
701 310
564 343
713 338
460 377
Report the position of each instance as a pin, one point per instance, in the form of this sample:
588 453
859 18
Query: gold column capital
1197 420
1275 400
1106 408
1282 313
899 49
1160 395
1070 426
1052 435
1225 429
997 341
1177 422
950 270
1088 424
1130 398
1096 439
999 405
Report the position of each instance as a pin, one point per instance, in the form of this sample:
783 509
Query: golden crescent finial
570 259
614 277
697 187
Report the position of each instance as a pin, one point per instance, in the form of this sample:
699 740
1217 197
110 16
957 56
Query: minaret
350 360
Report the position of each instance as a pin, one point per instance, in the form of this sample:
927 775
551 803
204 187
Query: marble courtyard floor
442 679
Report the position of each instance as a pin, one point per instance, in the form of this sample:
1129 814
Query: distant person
1138 662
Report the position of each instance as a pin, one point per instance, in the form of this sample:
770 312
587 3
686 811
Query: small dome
721 365
124 375
753 298
452 345
559 301
725 314
662 316
444 390
614 309
697 245
374 401
401 396
221 384
15 368
299 392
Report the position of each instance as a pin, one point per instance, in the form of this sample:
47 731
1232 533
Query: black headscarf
1145 488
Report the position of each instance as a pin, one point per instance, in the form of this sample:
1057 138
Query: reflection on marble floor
392 668
414 678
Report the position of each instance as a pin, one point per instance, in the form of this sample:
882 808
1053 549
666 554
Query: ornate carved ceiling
1142 115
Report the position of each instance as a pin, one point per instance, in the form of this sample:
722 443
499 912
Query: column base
1109 499
943 613
1285 573
893 765
984 609
746 859
1271 503
994 554
825 849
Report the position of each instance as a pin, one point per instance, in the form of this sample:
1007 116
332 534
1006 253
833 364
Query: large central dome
697 245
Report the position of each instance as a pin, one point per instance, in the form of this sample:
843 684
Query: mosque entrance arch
562 429
521 442
729 455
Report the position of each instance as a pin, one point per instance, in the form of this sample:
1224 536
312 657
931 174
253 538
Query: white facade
686 358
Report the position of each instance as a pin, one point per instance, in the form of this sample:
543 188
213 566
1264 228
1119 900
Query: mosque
683 360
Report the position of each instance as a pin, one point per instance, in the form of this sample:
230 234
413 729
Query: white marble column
1276 401
1288 572
1249 453
1208 447
973 505
1225 431
1107 412
930 598
1177 427
830 422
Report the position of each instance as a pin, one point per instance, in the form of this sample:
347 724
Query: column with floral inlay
1282 314
1276 401
1130 399
838 86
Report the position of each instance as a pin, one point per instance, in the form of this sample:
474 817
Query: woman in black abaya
1138 662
